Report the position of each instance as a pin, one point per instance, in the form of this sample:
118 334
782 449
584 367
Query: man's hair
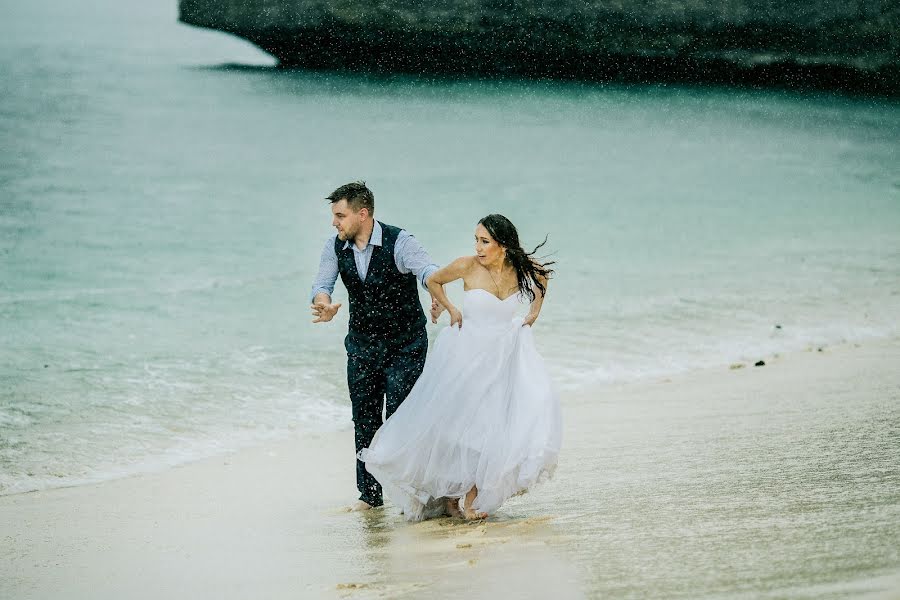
357 195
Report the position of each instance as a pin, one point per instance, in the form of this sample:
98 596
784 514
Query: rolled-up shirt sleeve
328 271
411 257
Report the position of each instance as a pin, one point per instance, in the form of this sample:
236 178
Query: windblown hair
529 270
357 195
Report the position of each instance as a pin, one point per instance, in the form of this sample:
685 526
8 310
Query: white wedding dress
484 412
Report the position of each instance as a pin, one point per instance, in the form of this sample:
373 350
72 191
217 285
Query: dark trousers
379 374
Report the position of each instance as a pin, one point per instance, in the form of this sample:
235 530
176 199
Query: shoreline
646 473
159 463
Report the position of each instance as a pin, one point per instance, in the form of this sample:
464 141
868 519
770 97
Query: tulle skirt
483 413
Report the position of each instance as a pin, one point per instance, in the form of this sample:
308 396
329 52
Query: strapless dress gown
484 412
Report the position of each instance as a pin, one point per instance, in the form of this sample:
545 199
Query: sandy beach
780 481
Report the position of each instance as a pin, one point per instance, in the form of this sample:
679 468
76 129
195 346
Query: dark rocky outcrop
851 45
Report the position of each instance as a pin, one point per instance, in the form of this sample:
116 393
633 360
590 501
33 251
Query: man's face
346 220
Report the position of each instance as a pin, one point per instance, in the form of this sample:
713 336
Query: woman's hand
529 320
455 270
455 316
436 310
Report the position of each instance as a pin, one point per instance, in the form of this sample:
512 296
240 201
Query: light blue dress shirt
409 256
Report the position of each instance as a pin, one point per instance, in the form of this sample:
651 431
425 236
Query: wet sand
751 482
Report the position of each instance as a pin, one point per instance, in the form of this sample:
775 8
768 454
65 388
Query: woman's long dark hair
529 271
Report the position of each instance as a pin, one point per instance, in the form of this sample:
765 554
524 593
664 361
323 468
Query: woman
483 421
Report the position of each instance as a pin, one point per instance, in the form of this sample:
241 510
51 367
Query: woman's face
487 251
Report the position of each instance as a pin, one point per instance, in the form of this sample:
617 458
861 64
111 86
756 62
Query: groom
380 266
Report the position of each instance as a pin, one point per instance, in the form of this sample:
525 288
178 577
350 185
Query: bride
483 421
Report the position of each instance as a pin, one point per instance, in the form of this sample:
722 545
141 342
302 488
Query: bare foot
451 508
360 505
473 515
469 513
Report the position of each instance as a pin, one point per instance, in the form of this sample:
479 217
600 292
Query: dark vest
386 305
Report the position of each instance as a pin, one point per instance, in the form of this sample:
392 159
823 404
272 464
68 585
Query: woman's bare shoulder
458 268
465 261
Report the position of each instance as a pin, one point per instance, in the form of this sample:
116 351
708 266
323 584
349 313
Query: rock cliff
852 45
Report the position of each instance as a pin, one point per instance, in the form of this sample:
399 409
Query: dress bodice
482 306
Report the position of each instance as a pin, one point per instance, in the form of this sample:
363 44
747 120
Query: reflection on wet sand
504 556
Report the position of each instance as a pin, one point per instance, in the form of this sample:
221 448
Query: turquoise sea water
162 213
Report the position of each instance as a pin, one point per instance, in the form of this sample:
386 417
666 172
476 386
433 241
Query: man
386 345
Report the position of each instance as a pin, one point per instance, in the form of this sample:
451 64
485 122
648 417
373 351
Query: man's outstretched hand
323 312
